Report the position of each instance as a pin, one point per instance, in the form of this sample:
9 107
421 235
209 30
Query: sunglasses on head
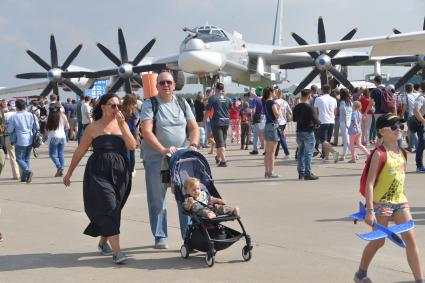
113 105
397 126
163 83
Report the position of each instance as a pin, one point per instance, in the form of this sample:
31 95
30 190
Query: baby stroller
206 235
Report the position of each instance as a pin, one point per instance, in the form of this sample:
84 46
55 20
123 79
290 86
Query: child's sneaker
352 161
105 249
119 257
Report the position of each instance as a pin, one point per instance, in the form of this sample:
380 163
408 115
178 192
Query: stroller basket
222 236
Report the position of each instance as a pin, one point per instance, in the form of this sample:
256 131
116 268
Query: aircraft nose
194 44
200 61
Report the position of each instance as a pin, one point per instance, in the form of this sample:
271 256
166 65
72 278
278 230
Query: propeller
323 61
126 70
56 74
418 62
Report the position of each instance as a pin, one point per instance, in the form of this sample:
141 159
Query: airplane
382 231
210 54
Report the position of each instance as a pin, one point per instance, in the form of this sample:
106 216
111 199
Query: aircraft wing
24 88
266 51
389 45
171 61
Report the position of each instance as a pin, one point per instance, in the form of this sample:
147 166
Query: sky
27 24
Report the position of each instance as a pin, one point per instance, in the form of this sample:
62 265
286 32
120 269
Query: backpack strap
155 107
182 104
382 151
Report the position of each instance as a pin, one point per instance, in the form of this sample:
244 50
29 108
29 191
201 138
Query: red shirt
234 113
365 102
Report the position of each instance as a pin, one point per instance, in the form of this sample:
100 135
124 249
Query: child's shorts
389 209
218 209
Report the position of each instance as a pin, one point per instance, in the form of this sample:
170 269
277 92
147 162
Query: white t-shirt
59 133
326 105
284 106
420 103
85 109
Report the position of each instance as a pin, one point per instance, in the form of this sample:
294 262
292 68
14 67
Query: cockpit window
209 34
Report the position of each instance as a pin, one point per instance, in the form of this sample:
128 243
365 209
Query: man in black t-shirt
307 122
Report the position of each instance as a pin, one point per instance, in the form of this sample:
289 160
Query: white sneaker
133 173
336 157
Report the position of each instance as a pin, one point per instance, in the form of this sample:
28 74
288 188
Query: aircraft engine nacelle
179 79
82 83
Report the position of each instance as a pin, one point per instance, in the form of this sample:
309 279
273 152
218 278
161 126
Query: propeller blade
77 74
423 28
138 79
321 31
143 52
71 57
423 73
47 90
31 76
109 54
40 61
399 60
296 65
404 79
341 78
396 31
55 88
127 86
323 78
105 73
301 41
348 36
307 80
148 68
53 52
116 85
123 47
74 88
349 60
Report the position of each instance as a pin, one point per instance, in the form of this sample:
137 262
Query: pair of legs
355 141
234 127
10 148
114 241
305 142
56 153
270 148
282 141
366 124
220 135
244 135
345 139
210 137
325 135
257 134
23 154
420 148
412 251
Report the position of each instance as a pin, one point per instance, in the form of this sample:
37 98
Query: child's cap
388 120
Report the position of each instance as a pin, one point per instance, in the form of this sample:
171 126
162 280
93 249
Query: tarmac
300 230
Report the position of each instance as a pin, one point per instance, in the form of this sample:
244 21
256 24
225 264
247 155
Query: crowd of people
112 129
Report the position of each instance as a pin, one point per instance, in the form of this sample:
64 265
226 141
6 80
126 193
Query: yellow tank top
390 185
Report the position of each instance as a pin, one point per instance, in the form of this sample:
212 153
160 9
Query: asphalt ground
300 229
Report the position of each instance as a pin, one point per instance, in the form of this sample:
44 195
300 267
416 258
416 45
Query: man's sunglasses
163 83
397 126
113 105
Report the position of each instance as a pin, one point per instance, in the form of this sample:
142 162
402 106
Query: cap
387 120
252 90
219 86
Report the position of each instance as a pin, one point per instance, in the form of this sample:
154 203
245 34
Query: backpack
155 105
388 101
381 164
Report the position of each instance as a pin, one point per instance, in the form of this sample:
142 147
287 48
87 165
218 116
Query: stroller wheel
184 251
246 253
209 259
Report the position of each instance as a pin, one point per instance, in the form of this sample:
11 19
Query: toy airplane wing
409 225
390 233
372 236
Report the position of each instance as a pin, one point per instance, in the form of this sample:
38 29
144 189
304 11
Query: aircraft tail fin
277 34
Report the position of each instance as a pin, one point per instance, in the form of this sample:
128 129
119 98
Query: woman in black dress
107 177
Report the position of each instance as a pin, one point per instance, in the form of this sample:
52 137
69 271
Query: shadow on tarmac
93 259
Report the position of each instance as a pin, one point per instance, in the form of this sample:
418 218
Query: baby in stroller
202 203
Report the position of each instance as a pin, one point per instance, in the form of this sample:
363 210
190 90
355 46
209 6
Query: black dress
107 184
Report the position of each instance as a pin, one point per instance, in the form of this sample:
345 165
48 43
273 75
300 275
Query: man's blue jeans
56 153
305 142
255 136
420 148
23 154
157 204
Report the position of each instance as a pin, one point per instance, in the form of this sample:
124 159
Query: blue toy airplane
382 231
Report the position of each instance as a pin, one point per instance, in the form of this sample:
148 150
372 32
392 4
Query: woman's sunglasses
397 126
163 83
113 105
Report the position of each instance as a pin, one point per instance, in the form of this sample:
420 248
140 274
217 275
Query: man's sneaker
420 170
273 175
254 152
59 172
119 257
29 178
301 178
222 164
311 177
104 249
217 161
286 157
336 157
161 244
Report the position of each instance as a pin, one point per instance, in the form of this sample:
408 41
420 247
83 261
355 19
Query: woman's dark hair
97 110
54 118
129 106
345 96
266 93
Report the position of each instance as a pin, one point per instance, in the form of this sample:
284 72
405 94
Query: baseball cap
388 120
219 86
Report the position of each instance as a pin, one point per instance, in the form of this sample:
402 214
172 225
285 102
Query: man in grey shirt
169 134
419 112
